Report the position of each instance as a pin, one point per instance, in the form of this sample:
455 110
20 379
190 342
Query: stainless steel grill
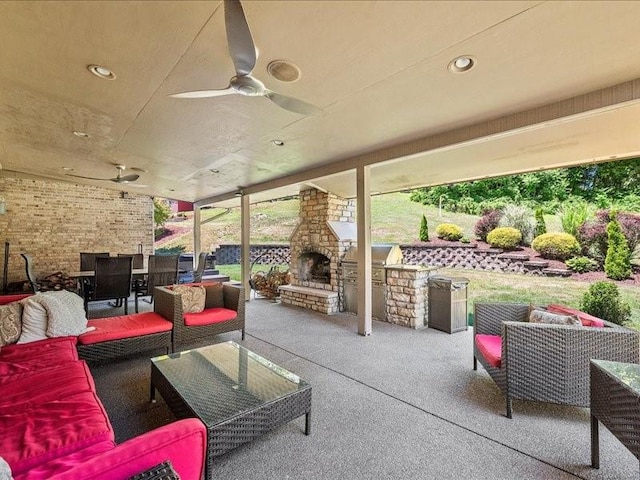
381 256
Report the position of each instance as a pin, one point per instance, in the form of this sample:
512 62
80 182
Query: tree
424 230
161 213
617 264
541 226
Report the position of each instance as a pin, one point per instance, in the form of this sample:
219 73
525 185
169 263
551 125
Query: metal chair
88 260
28 263
112 281
195 276
138 259
163 270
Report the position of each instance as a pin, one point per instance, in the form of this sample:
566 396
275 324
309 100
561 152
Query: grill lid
380 255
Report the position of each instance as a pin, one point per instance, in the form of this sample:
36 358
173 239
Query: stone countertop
417 268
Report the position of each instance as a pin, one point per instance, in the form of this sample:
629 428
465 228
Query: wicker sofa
53 425
223 312
544 362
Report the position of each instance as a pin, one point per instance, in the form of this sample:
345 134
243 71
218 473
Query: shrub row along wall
55 221
463 256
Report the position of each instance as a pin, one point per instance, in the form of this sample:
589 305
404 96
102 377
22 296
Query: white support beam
363 217
197 235
245 242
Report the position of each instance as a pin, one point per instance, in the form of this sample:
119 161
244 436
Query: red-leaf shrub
593 234
489 221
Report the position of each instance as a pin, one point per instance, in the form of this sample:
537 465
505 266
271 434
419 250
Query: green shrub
559 246
617 263
507 238
603 300
582 264
541 226
520 218
177 250
424 229
574 214
449 231
465 240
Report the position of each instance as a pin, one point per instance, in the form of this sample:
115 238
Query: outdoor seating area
402 403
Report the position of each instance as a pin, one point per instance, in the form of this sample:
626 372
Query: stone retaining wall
459 256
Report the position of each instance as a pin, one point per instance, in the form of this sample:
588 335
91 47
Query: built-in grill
381 256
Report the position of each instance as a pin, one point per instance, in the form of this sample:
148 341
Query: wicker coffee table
236 393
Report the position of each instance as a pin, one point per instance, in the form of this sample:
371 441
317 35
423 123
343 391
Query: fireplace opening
314 267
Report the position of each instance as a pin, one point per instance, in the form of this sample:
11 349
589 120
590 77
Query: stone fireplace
325 231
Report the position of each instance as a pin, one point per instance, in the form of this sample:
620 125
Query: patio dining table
92 273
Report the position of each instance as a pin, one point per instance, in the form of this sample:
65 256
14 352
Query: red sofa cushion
490 346
209 316
125 326
40 433
183 442
22 358
586 319
4 299
49 384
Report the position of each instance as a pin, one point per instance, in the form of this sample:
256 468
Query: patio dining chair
88 260
112 281
31 276
138 259
162 271
195 276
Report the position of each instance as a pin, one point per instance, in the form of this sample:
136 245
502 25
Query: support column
363 218
197 235
245 242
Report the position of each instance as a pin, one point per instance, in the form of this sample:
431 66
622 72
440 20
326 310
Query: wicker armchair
545 362
169 304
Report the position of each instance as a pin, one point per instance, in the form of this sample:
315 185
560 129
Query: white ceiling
377 69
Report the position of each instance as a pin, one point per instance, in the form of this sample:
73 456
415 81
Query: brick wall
55 221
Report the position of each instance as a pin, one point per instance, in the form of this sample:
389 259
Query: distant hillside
394 219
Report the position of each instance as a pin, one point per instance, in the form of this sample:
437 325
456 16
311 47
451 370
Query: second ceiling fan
243 53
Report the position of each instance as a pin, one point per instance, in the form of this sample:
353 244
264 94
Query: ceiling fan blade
292 104
241 46
88 178
204 93
125 179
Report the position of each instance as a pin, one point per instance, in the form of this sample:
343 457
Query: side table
615 402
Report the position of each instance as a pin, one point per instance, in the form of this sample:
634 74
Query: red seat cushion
586 319
209 316
27 357
490 346
37 434
4 299
33 388
124 326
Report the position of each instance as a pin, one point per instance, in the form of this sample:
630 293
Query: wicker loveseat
223 312
544 362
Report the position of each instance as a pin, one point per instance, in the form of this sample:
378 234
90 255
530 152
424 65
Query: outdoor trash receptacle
448 303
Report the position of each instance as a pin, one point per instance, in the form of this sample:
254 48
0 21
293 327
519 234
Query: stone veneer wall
314 235
407 292
55 221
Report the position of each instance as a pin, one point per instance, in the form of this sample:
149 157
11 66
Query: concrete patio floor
399 404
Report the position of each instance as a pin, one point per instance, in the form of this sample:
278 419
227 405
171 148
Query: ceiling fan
243 54
117 179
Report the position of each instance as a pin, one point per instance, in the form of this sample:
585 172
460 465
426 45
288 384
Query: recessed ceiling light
80 134
102 72
461 64
68 169
277 143
214 170
284 71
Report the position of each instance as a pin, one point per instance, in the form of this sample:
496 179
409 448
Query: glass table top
222 381
627 373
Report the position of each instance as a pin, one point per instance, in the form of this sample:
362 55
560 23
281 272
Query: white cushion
34 321
5 470
66 313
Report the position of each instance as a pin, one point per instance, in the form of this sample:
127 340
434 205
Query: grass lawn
504 287
394 219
